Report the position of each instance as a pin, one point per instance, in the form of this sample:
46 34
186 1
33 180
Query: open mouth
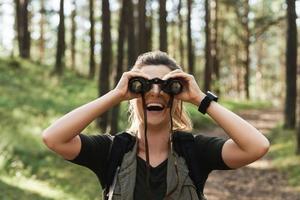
155 107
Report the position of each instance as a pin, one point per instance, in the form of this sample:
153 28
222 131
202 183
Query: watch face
212 95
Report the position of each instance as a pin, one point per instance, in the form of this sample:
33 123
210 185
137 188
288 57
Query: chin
158 122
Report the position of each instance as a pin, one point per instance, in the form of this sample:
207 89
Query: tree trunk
15 41
149 25
215 51
131 35
42 32
245 23
163 40
60 51
189 39
142 26
291 67
208 61
1 24
92 63
298 118
106 54
121 40
181 48
243 18
173 37
73 36
239 71
259 82
22 28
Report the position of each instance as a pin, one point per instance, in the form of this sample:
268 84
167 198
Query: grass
31 99
283 155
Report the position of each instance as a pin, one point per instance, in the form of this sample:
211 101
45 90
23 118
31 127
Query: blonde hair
181 119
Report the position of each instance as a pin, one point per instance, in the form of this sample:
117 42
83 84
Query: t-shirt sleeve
209 150
94 152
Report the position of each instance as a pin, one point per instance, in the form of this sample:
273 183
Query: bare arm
65 130
62 136
246 145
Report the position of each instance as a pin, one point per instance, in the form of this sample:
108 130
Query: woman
153 141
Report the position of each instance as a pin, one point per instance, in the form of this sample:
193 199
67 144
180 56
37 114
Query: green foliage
30 100
283 154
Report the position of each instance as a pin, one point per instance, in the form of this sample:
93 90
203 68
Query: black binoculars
171 86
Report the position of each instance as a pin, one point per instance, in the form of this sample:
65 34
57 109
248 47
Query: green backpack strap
184 145
122 143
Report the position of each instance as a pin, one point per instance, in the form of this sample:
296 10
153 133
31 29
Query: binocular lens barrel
176 87
136 86
141 85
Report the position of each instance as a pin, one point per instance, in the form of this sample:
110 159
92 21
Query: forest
57 55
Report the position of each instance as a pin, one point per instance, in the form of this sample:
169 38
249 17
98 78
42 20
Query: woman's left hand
191 92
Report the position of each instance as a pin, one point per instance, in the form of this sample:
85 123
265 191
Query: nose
155 89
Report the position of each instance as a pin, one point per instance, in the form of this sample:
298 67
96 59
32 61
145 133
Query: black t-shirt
94 153
157 180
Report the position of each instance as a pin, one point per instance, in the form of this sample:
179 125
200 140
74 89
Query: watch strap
206 101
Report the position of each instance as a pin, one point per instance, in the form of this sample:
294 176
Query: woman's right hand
122 86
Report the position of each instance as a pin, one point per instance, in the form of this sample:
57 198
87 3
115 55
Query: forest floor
257 181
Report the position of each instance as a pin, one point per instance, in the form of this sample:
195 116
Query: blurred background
56 55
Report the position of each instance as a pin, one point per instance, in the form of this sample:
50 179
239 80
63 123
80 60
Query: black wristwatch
206 101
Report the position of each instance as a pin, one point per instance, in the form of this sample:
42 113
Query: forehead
155 70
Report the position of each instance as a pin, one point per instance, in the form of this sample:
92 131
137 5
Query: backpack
183 144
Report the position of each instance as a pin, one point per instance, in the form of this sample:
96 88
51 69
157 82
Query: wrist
206 101
117 93
198 98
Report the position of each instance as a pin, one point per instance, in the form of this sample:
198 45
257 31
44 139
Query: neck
158 139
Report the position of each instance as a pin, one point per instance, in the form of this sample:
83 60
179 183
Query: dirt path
258 181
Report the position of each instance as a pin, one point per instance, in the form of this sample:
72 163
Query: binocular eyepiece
171 86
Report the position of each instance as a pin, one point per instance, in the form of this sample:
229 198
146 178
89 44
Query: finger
177 75
175 71
132 74
135 70
140 72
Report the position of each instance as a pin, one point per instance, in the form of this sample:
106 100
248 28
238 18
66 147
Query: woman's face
154 97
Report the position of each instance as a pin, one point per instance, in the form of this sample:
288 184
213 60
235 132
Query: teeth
155 104
155 107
